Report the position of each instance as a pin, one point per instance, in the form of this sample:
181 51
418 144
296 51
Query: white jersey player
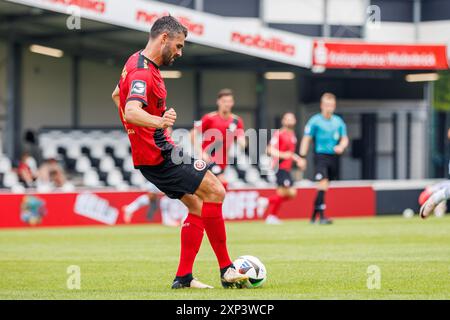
172 211
433 197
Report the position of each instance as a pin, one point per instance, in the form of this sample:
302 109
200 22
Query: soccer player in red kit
281 148
141 99
219 129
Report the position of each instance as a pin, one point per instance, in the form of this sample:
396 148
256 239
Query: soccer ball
252 267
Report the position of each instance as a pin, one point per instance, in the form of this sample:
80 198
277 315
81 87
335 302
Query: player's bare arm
242 142
274 152
304 148
116 96
343 144
135 115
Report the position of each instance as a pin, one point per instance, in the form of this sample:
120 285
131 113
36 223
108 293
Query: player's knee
217 192
292 193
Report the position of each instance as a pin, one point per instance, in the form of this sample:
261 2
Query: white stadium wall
46 95
293 11
346 12
435 32
392 32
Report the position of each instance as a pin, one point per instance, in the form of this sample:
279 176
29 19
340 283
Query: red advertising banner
379 56
103 208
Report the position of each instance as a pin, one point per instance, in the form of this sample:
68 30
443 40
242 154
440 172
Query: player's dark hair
224 93
167 24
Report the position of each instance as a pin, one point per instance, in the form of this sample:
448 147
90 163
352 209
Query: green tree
442 92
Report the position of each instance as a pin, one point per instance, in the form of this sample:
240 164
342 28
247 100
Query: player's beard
168 58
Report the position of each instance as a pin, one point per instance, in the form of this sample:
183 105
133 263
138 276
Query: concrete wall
46 91
281 97
242 83
97 82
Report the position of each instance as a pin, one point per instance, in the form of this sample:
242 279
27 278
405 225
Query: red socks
215 229
191 240
275 203
192 234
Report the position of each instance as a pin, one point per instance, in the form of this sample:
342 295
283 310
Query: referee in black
329 133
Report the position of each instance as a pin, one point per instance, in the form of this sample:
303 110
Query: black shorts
326 166
284 179
176 179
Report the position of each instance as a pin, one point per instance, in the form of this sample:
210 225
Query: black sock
321 214
223 270
184 279
152 209
319 205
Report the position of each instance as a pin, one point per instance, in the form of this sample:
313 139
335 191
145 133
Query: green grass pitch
303 261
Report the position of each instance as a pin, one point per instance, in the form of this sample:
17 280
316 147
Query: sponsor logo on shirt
139 87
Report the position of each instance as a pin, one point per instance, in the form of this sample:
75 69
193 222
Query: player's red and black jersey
219 134
283 140
142 81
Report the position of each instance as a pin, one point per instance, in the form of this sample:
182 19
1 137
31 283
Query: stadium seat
18 188
137 179
231 175
102 175
252 176
97 151
74 151
121 151
128 165
114 178
49 151
5 164
126 176
62 151
10 179
83 164
91 179
106 164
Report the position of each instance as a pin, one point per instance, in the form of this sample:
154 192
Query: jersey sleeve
342 128
240 128
311 128
275 140
205 123
139 84
198 125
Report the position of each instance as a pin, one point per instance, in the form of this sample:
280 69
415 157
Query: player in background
329 133
432 198
150 200
218 131
141 99
282 150
438 197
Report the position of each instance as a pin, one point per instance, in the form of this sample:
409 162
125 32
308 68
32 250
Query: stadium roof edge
204 28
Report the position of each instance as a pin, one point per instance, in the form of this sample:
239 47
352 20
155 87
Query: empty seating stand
102 157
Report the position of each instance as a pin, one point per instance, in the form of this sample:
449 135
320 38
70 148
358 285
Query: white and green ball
252 267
